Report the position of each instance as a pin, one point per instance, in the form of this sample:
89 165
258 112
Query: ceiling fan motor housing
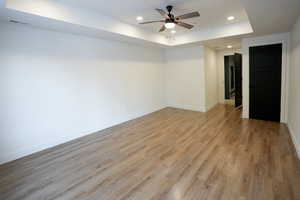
171 20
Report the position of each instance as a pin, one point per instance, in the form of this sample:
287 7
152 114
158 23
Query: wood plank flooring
171 154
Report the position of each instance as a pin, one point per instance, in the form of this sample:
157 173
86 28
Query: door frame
283 39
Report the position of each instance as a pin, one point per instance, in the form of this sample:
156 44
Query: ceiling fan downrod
169 9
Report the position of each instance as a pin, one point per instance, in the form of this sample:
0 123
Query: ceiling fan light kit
170 21
170 25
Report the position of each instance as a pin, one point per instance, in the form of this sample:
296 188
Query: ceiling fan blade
149 22
185 25
163 28
162 13
188 16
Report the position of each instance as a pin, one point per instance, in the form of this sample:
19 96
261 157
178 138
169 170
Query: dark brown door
238 80
265 82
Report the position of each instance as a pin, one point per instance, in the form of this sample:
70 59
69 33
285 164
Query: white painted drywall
66 16
56 12
265 40
191 78
228 30
56 87
294 93
185 78
211 78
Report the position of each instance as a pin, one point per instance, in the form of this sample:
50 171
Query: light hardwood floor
170 154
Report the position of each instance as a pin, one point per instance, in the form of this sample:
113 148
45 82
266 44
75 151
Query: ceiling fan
171 21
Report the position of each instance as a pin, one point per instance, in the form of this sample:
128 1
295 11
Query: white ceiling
115 19
272 16
222 43
214 13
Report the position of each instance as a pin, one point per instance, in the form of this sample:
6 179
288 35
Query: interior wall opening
233 79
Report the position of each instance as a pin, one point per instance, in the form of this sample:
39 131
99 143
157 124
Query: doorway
233 79
265 82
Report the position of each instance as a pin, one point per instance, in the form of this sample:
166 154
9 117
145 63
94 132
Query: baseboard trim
296 144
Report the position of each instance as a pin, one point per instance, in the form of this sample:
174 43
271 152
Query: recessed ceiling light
230 18
229 46
173 31
139 18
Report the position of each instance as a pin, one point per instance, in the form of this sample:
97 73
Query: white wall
211 78
191 78
294 93
185 78
265 40
56 87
